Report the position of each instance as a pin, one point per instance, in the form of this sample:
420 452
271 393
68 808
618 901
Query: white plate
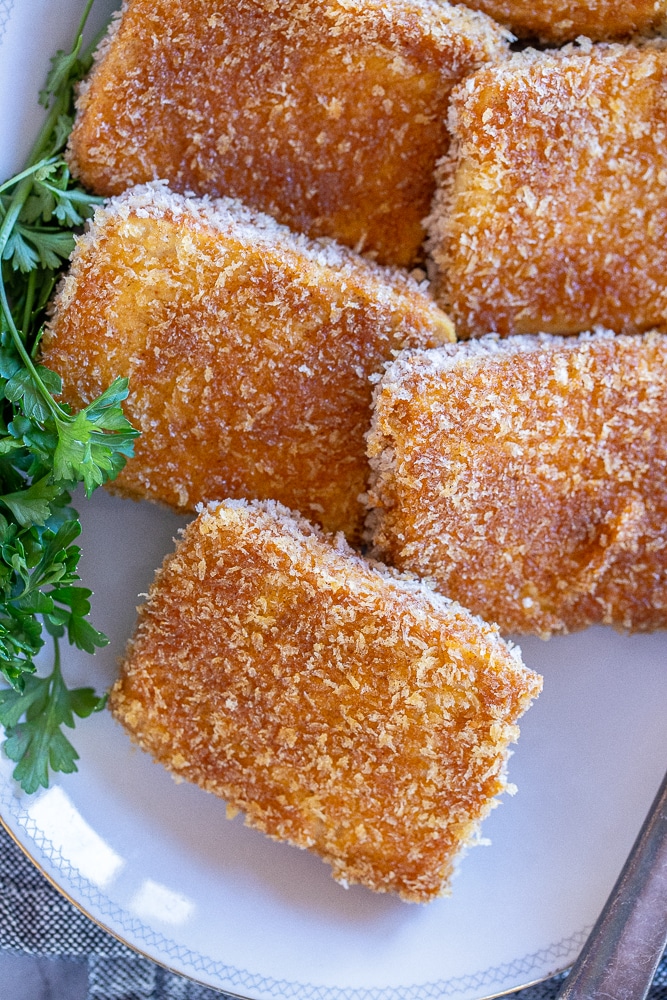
159 865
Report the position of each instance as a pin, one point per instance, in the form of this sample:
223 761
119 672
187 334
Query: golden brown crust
552 208
528 478
327 114
565 20
341 707
248 349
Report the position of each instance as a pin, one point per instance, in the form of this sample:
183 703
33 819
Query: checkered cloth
36 920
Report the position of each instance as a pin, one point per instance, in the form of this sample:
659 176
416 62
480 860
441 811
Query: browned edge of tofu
550 207
328 115
564 21
248 348
342 707
527 478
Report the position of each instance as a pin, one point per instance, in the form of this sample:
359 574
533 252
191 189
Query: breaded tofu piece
528 478
565 20
248 348
327 114
342 707
552 207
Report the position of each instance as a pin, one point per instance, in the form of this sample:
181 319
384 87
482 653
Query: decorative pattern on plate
216 973
5 13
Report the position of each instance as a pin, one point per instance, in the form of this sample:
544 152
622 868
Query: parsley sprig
45 449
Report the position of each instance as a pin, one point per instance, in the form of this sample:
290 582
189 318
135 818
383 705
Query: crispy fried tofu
552 207
528 478
565 20
327 114
249 350
343 708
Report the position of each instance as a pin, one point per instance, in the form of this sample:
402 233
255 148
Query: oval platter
160 866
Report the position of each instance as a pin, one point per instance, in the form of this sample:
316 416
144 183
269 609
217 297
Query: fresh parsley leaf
49 248
93 445
61 131
22 388
19 252
64 66
38 743
33 504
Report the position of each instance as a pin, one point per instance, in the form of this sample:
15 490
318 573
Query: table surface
25 977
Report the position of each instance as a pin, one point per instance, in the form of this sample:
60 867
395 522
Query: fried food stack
552 208
327 114
528 478
249 351
344 708
565 20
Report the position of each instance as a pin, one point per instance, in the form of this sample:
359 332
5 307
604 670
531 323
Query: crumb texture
565 20
551 213
528 478
327 114
248 349
341 707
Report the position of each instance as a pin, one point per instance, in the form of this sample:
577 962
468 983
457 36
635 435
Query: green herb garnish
45 449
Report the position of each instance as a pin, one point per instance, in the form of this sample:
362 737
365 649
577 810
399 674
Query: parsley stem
19 199
29 299
74 196
58 413
56 673
28 172
13 329
58 108
82 23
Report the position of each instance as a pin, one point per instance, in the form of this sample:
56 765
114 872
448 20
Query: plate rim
282 988
441 988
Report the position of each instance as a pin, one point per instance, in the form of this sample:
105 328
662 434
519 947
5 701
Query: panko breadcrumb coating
552 207
565 20
343 708
327 114
528 478
248 349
